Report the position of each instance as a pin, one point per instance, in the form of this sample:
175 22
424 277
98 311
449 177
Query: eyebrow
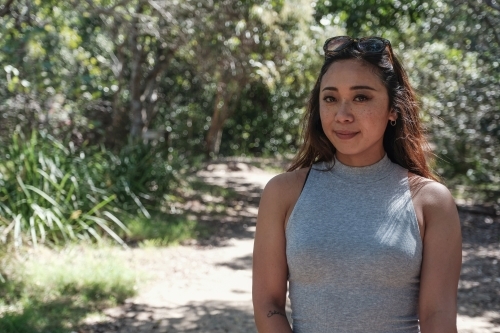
352 88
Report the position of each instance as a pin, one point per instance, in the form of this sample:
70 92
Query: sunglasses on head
365 45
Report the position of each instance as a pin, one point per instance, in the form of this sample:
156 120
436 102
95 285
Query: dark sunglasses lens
371 45
337 44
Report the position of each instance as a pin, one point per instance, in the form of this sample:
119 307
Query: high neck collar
364 174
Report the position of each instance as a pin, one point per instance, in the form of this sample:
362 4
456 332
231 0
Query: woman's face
354 111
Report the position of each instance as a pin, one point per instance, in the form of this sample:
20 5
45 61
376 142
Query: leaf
43 194
102 223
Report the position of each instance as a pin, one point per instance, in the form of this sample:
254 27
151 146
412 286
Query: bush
53 193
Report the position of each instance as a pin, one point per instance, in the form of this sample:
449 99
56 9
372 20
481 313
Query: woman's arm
441 262
270 269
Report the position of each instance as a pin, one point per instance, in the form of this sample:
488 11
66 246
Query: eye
329 99
361 98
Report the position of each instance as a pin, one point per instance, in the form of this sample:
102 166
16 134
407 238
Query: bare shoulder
430 192
283 191
434 200
287 180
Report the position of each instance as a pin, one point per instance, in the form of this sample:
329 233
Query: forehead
351 72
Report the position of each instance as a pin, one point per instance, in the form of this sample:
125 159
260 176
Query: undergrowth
52 292
162 229
52 192
59 204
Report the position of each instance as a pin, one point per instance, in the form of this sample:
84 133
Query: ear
393 115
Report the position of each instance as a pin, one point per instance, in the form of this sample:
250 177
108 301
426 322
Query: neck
363 174
361 159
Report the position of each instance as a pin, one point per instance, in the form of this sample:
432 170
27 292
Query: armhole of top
298 198
305 180
413 188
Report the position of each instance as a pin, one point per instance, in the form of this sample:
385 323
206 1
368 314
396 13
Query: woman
367 238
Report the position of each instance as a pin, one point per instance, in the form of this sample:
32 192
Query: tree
451 50
101 65
43 64
246 48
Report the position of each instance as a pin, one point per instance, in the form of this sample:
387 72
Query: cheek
327 119
373 115
376 113
323 113
326 110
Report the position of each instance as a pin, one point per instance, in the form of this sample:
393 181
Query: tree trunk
136 117
226 94
219 116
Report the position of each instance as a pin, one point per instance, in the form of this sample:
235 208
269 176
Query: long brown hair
404 143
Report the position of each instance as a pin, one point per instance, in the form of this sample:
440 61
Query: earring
393 123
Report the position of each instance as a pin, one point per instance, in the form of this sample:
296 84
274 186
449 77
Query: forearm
438 323
271 319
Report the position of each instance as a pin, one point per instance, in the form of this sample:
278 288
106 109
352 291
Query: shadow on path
239 217
239 263
479 288
208 317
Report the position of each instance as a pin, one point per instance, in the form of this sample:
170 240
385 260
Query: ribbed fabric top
354 251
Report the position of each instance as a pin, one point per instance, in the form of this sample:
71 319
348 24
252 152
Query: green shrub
47 194
53 193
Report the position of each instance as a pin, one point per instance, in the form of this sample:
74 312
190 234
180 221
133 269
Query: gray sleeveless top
354 251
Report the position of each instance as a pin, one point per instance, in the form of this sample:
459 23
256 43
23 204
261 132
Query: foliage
49 196
52 193
451 51
162 229
99 70
53 292
139 91
47 73
370 16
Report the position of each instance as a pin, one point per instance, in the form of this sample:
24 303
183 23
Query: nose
344 114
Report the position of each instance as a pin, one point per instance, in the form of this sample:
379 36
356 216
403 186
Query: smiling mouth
345 135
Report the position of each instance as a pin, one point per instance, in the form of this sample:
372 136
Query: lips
345 135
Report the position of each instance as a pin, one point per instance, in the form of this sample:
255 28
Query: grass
59 209
163 229
54 290
48 291
53 193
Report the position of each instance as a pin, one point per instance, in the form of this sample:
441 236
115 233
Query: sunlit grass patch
91 274
50 291
163 229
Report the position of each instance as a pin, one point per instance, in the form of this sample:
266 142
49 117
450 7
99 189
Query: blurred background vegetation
105 104
107 107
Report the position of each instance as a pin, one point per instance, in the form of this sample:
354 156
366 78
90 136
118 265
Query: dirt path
206 286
